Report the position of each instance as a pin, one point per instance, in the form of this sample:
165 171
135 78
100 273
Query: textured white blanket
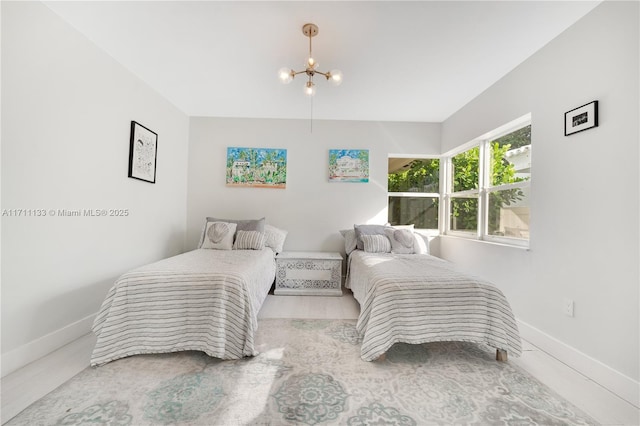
420 298
204 300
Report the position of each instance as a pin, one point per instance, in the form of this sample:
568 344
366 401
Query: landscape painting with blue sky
348 165
256 167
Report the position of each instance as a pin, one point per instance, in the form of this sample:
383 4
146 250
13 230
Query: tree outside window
504 202
497 195
414 186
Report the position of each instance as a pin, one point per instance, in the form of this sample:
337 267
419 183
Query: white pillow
376 243
349 240
219 236
421 243
402 240
274 238
249 240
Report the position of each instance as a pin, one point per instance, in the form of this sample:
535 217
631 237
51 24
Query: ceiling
402 61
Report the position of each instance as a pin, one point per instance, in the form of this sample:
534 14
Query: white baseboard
36 349
616 382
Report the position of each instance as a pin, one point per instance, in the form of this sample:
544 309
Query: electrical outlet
568 307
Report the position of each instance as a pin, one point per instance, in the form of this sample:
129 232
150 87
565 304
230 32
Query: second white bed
418 298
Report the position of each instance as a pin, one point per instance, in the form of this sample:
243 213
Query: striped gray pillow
376 243
367 230
249 240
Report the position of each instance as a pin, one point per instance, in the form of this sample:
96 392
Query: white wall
311 208
66 112
584 203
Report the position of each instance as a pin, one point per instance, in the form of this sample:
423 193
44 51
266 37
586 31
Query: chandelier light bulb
285 75
311 63
310 89
335 77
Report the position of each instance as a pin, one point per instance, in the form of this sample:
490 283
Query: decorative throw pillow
349 240
376 244
367 230
241 225
249 240
402 240
274 238
219 235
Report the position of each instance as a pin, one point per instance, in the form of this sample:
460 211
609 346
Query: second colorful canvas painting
348 165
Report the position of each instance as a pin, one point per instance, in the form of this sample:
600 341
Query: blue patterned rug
309 372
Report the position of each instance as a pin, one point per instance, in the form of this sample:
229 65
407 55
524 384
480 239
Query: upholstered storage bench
309 273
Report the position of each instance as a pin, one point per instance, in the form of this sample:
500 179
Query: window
414 192
465 184
488 187
508 189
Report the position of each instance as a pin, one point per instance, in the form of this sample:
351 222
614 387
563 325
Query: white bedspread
420 298
204 300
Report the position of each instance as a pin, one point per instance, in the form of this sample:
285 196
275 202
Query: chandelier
287 74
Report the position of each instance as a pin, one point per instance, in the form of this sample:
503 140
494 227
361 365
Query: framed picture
257 167
581 118
143 151
348 165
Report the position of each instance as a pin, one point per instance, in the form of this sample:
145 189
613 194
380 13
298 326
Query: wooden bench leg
501 355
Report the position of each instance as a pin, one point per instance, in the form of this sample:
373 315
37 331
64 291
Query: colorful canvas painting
348 165
257 167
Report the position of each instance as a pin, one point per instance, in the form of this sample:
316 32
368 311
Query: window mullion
483 182
465 194
447 187
414 194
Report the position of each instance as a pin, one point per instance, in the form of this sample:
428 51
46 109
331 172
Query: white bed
418 298
203 300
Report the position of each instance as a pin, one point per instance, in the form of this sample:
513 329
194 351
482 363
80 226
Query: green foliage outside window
423 176
466 177
420 176
466 169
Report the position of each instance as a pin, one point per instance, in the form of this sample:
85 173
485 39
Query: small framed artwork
348 165
143 151
581 118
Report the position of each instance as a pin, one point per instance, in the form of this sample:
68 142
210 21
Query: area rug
308 372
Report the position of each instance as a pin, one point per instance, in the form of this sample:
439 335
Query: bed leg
382 357
501 355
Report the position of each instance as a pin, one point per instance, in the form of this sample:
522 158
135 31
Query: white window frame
437 195
484 186
449 194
